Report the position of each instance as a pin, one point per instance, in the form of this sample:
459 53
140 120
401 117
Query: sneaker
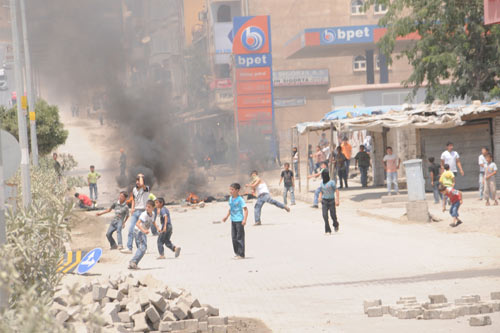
160 257
132 265
459 222
287 209
114 247
314 206
177 251
257 223
328 233
336 229
126 251
238 257
120 247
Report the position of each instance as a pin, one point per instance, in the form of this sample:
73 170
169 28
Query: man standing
391 165
363 160
347 151
482 164
451 157
92 182
123 162
289 182
140 195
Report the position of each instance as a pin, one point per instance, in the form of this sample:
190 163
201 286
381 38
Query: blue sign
345 35
253 60
89 261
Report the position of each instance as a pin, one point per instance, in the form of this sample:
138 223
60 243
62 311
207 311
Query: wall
192 8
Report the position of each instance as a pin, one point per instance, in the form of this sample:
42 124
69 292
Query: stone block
495 306
438 299
87 299
462 310
495 295
179 313
211 311
134 308
198 313
472 298
177 325
124 317
480 321
158 301
431 314
485 308
191 301
168 316
417 211
95 308
124 302
140 324
371 303
474 309
174 292
110 312
448 314
212 321
73 311
152 314
105 301
122 328
409 313
203 326
132 281
217 329
191 324
153 327
437 306
62 316
123 288
151 282
98 292
61 298
113 294
375 311
143 297
165 326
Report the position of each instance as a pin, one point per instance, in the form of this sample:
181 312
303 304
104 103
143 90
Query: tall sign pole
29 83
21 117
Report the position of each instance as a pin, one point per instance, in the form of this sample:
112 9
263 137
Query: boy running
324 166
257 185
139 198
92 178
146 219
289 182
239 213
118 222
455 197
165 230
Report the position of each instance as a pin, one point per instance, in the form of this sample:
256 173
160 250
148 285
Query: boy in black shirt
434 170
289 182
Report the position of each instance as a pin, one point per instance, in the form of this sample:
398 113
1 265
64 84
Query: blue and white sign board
89 261
345 35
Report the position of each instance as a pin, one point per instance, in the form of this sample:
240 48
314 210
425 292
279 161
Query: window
380 9
359 64
357 7
224 14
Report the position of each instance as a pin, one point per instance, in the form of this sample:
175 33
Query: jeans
292 194
316 195
392 178
342 173
296 168
238 236
261 200
115 225
153 230
347 164
142 245
454 209
133 221
363 170
164 239
481 184
435 189
311 166
329 205
93 188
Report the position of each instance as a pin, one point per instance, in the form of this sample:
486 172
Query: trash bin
415 180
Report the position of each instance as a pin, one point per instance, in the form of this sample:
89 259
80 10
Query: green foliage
50 130
455 46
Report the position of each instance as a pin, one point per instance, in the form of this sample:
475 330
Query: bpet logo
253 38
253 60
344 35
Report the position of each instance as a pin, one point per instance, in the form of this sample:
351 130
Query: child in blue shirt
165 229
239 213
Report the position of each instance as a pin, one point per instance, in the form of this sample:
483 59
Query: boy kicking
455 197
165 230
140 231
121 216
239 213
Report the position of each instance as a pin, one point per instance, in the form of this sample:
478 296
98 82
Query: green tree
50 131
455 46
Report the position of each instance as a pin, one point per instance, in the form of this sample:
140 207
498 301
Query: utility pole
29 83
21 117
3 230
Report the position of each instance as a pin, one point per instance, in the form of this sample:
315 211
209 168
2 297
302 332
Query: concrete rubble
125 303
438 307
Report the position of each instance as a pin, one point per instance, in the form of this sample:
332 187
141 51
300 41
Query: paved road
295 278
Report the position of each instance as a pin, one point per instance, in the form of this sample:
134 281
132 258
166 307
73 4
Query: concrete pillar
384 71
377 156
370 69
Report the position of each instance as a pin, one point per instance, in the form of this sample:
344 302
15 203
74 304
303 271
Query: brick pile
437 307
125 303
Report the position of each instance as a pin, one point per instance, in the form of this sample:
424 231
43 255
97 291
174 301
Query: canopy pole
298 160
310 171
330 160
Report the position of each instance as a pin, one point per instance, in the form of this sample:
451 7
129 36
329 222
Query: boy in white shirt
490 187
452 158
146 219
482 163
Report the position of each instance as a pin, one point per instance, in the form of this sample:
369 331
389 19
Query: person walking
239 213
329 199
347 151
482 163
289 183
92 178
391 166
341 167
452 158
490 187
318 190
434 178
165 229
141 229
363 161
262 192
121 215
140 195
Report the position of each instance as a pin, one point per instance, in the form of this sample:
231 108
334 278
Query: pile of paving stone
438 307
125 303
